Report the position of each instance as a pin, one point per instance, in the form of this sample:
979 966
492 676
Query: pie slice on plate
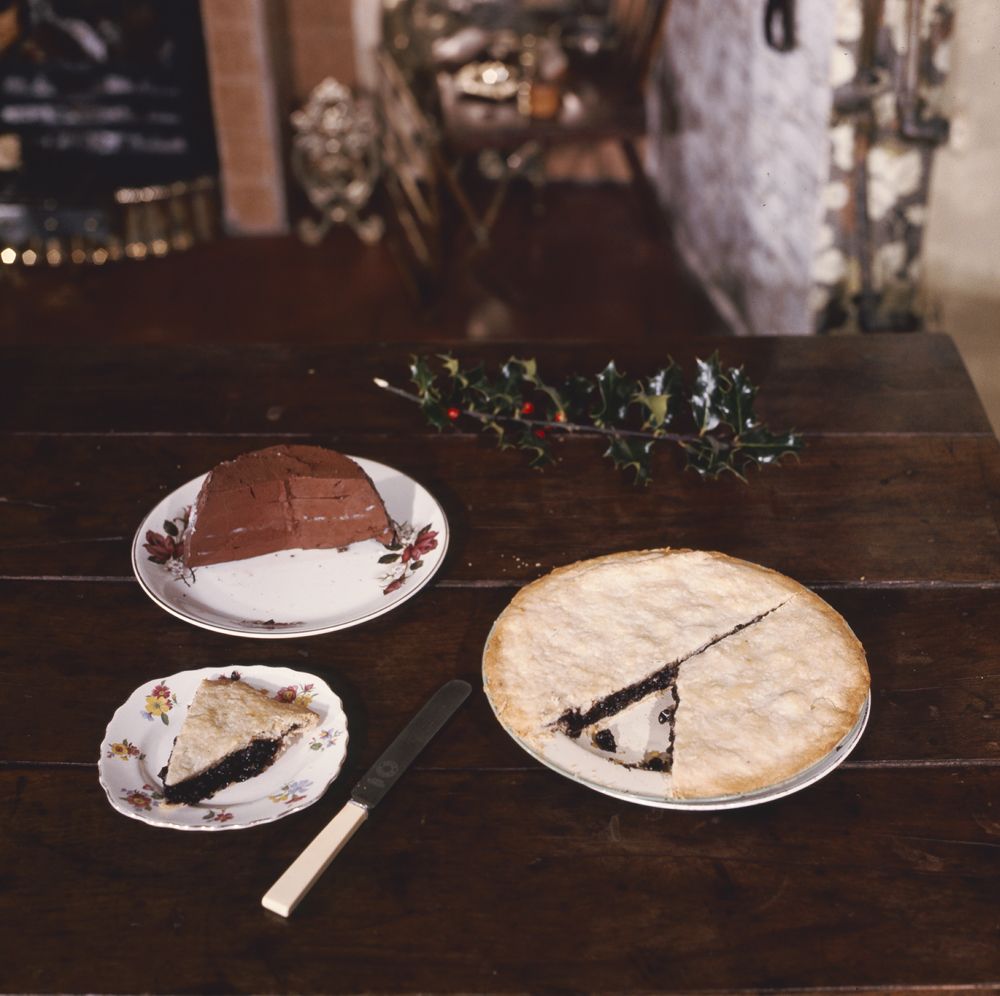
721 676
232 732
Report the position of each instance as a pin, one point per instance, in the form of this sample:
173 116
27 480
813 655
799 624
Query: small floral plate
141 735
294 592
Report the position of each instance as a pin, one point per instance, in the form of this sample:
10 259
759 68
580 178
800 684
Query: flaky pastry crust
783 686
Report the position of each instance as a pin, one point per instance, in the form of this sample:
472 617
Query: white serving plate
141 734
296 592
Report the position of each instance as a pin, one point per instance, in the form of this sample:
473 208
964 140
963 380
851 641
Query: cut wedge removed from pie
723 676
232 732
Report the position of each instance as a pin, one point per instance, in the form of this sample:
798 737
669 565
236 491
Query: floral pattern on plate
136 748
294 592
406 554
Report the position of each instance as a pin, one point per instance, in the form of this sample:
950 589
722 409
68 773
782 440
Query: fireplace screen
106 140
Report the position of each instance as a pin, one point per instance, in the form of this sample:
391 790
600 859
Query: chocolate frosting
284 498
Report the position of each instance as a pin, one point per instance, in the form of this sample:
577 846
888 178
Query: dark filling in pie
236 767
605 740
664 760
574 721
654 760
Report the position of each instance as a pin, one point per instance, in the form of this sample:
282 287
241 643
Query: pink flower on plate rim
162 548
425 541
409 558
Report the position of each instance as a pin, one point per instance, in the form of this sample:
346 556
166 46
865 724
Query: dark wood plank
879 383
77 650
512 881
877 508
589 266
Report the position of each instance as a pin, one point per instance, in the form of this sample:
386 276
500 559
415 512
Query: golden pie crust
770 678
225 716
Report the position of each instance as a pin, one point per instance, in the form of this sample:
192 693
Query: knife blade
300 876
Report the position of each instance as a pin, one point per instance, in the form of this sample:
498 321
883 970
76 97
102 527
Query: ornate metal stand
335 157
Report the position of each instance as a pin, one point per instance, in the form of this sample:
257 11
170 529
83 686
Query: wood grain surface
871 384
482 871
514 881
850 508
934 699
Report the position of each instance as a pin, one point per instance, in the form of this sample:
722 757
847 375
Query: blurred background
319 170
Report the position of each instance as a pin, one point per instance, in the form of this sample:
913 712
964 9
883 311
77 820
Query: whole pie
722 676
232 732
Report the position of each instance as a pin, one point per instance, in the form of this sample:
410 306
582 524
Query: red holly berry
453 413
560 416
527 408
540 433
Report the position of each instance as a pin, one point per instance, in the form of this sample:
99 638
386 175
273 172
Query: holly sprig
712 420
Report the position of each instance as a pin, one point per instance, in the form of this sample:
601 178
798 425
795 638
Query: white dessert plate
294 592
141 734
584 762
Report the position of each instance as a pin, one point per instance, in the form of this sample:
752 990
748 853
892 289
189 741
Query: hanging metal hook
779 24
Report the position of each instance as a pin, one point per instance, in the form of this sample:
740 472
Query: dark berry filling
605 740
574 722
237 767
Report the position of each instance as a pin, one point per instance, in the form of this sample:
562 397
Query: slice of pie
232 732
721 675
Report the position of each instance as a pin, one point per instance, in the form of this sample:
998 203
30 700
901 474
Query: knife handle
301 874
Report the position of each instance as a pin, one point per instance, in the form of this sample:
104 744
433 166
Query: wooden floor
588 268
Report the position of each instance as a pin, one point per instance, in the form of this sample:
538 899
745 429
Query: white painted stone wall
742 155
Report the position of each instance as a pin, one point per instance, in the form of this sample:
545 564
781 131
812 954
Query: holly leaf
505 394
615 393
451 366
761 447
537 446
501 434
422 376
661 396
528 368
710 456
468 382
708 404
435 413
576 395
736 400
629 453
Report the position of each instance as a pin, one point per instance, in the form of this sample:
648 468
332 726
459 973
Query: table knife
302 873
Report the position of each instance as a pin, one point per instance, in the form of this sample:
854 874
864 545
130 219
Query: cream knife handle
301 874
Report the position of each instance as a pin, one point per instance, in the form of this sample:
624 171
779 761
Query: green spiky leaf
423 376
713 422
761 447
540 453
710 456
630 453
615 392
661 396
435 413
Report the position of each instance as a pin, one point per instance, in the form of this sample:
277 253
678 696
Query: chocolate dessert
284 498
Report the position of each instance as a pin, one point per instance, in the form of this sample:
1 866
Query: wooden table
482 870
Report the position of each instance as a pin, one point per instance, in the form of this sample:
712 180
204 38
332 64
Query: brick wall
264 57
248 119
